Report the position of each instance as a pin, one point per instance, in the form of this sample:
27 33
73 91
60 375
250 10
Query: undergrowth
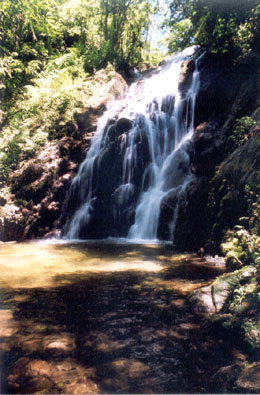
60 91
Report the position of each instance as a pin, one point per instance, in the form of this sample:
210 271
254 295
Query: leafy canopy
34 31
225 27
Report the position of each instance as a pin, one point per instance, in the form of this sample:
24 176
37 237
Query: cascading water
139 162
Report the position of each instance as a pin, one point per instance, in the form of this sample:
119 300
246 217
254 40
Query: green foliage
236 248
48 48
241 131
154 56
34 31
107 31
251 329
43 110
226 28
29 32
125 24
241 247
252 198
180 36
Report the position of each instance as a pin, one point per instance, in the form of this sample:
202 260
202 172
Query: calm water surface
103 317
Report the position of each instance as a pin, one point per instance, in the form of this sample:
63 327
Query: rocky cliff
226 155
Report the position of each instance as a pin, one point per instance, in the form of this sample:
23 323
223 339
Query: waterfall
138 162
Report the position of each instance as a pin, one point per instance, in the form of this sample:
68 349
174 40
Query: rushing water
134 166
103 317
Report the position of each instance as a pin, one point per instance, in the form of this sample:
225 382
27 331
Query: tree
99 31
180 35
29 33
224 27
124 25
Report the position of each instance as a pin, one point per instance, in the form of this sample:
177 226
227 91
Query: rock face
249 379
217 297
188 67
227 92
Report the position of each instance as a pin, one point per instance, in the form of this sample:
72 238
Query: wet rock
214 298
63 166
118 86
191 225
70 128
249 379
168 104
40 376
12 223
188 67
240 170
221 99
53 234
227 375
202 301
3 200
168 205
206 141
256 115
220 93
123 125
37 190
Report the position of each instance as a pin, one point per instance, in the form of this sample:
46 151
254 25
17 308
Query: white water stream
163 117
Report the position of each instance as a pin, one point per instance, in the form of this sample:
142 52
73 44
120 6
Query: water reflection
38 264
101 318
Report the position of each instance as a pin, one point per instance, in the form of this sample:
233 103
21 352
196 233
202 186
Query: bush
241 131
240 247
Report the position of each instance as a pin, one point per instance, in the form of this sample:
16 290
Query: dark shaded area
228 91
128 332
111 213
222 83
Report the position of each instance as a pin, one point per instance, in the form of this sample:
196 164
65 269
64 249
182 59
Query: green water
102 317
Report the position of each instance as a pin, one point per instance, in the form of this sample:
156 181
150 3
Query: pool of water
102 317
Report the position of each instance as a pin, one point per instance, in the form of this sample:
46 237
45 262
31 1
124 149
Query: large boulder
248 380
206 140
116 128
185 79
217 297
12 223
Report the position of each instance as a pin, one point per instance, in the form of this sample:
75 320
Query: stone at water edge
249 378
212 299
202 299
